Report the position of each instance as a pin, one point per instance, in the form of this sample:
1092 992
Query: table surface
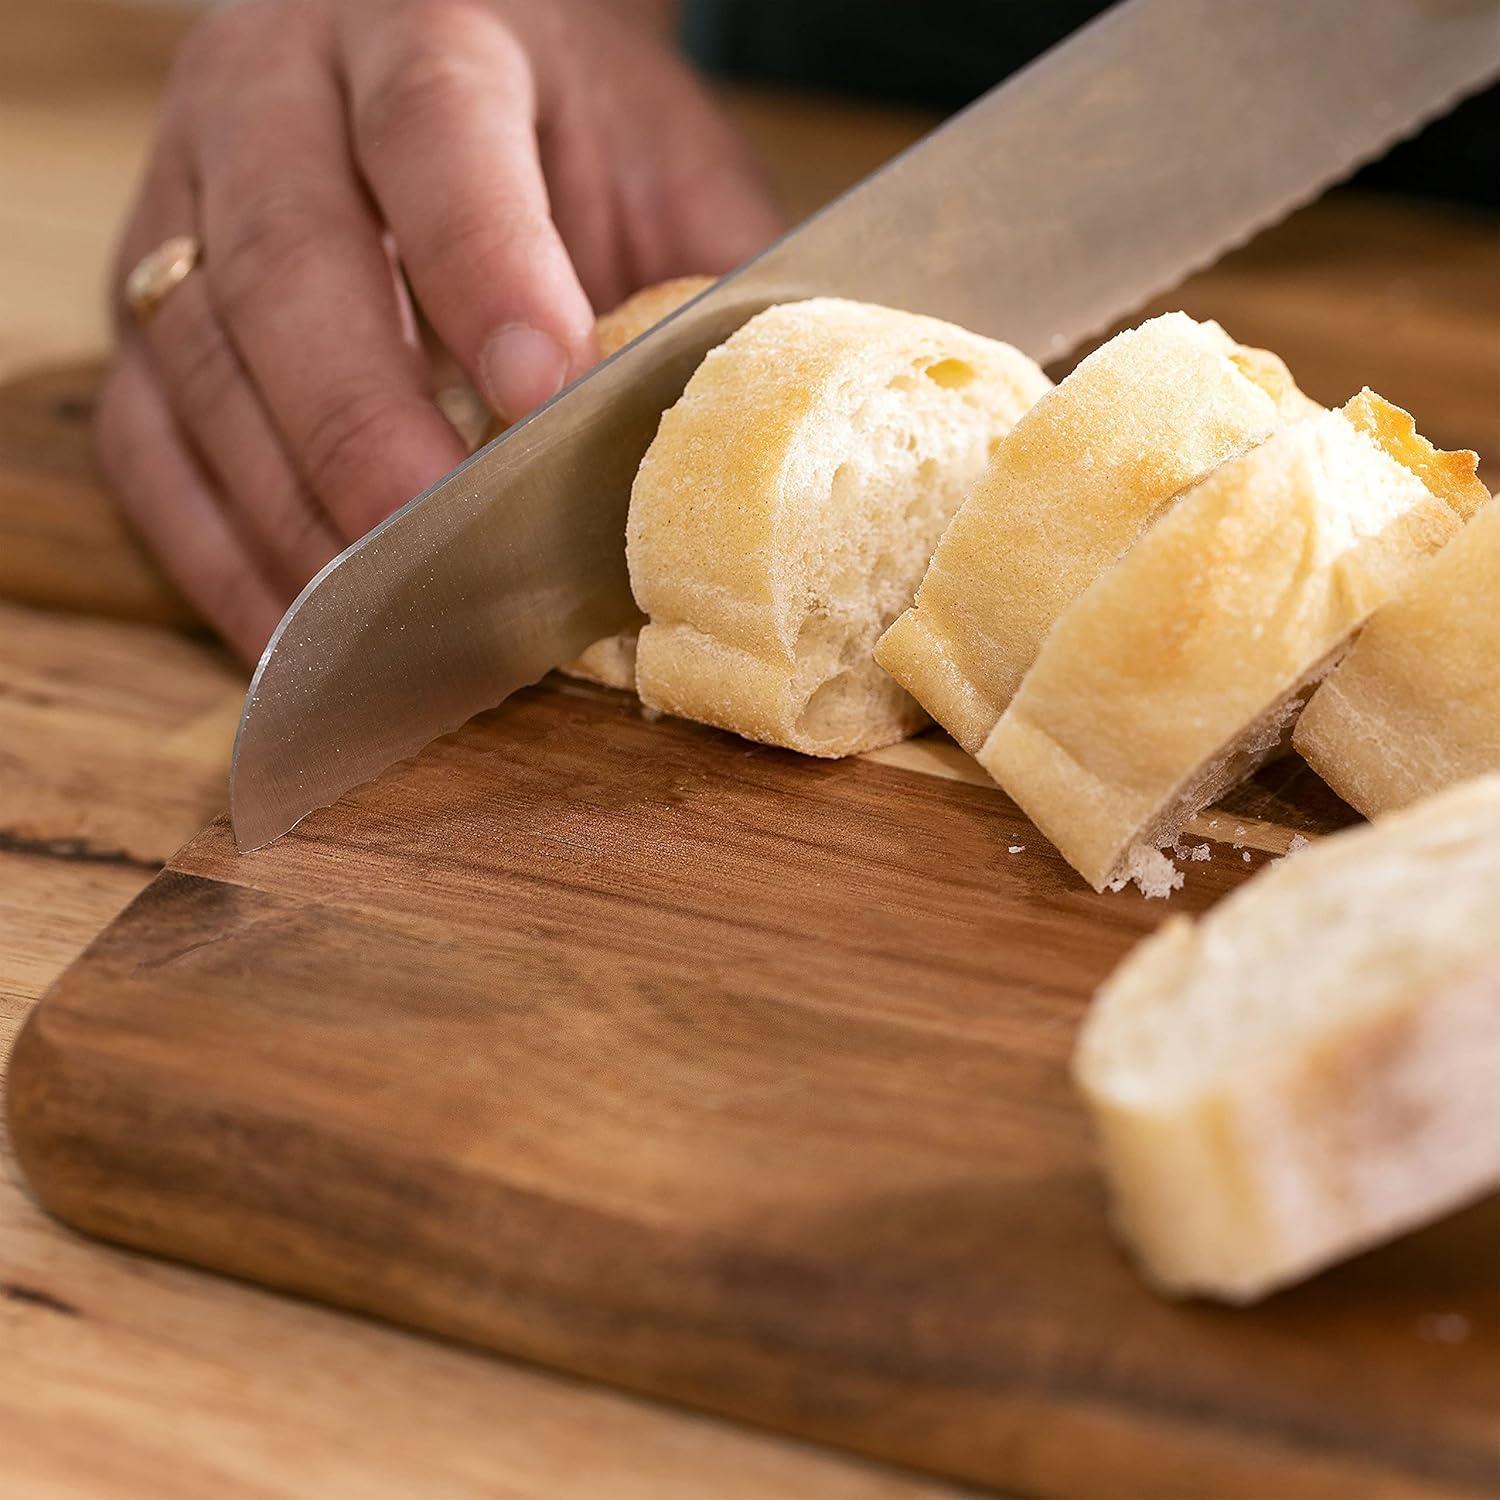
123 1375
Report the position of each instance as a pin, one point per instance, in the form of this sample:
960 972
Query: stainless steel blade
1142 148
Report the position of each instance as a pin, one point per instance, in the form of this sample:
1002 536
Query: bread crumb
1018 848
1245 856
1296 842
1200 852
1151 870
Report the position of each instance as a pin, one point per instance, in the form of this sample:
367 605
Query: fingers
443 107
170 503
712 197
213 401
221 414
648 179
309 297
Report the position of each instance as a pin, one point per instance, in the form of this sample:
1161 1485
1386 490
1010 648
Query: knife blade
1157 137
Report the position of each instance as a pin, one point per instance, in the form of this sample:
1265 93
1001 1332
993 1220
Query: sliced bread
611 661
1077 480
1180 669
1315 1065
786 510
1415 705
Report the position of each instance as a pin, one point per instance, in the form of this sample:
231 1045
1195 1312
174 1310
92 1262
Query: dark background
940 54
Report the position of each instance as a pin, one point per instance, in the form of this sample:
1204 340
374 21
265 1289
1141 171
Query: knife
1139 150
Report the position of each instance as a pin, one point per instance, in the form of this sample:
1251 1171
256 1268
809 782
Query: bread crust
788 506
1349 1116
1180 669
611 661
1067 492
1415 705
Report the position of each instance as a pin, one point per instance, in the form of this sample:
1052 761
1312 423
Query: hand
517 160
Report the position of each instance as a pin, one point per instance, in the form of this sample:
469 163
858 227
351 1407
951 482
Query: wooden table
122 1375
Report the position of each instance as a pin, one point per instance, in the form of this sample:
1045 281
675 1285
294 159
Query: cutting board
736 1078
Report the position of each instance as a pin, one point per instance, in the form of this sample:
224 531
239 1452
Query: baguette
1069 490
1415 705
1314 1067
787 508
611 661
1178 672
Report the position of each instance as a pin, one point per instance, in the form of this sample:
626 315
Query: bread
1415 705
788 506
1179 670
645 309
1315 1066
611 661
1088 468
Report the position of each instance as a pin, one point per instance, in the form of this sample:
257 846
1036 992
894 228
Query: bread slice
1179 671
785 512
1315 1066
1415 705
1087 469
611 661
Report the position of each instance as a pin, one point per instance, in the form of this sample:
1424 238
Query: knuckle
340 459
203 369
277 232
434 70
220 34
423 87
473 234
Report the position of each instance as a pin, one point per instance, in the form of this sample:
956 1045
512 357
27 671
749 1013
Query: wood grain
127 1376
63 542
124 1376
735 1078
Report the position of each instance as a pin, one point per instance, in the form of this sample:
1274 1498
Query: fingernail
521 367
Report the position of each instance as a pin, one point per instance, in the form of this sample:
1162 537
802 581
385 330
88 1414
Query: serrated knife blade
1139 150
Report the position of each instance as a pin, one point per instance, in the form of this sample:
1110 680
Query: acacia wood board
735 1078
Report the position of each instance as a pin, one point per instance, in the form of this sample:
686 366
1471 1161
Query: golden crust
788 505
1415 706
1174 675
645 309
1452 476
611 661
1312 1067
1068 491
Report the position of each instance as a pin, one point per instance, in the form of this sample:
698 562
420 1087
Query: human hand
517 159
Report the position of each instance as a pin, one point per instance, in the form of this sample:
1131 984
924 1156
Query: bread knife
1140 149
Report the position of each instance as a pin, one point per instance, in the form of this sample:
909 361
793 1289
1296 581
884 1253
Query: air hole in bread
838 704
951 374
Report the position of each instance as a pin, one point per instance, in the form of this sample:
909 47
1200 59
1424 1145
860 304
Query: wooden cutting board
732 1077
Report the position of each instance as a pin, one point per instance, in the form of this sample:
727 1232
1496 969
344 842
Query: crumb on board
1151 870
1018 848
1246 856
